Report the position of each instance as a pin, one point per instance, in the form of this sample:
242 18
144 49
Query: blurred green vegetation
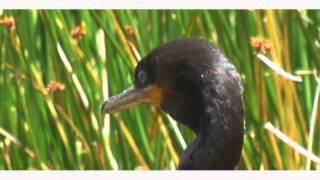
57 67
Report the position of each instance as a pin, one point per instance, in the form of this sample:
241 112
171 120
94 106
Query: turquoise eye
142 77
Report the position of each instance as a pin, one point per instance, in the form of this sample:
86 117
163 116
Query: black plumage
198 86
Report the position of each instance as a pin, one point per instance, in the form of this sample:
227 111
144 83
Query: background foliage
57 67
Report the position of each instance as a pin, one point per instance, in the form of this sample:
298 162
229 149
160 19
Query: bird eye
142 77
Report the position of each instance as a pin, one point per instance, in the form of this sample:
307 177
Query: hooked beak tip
104 108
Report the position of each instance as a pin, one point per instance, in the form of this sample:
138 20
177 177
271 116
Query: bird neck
220 135
212 106
219 139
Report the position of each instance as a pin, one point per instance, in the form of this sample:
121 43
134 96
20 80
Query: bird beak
131 97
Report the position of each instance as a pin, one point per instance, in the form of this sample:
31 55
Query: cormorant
198 86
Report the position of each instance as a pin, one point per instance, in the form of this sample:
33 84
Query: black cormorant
198 86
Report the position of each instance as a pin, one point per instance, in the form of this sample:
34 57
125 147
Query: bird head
180 77
169 77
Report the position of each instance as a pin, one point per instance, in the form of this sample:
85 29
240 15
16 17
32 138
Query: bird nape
194 82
